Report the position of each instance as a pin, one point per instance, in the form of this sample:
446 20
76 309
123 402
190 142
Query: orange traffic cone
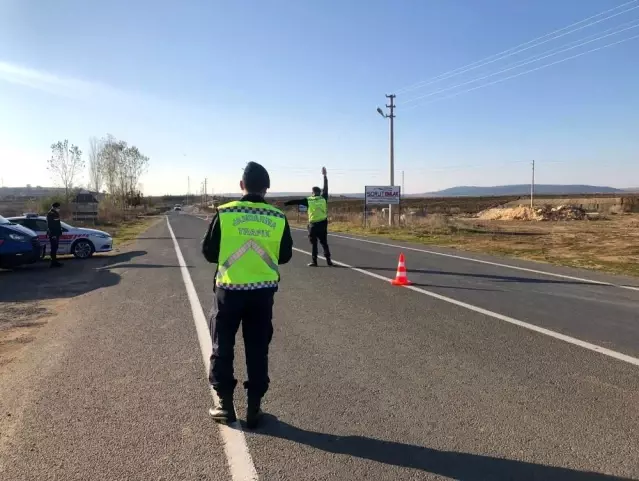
401 279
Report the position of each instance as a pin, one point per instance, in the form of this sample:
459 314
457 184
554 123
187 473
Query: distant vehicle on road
18 245
177 207
80 242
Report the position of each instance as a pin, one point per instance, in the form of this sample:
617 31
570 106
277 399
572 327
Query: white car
80 242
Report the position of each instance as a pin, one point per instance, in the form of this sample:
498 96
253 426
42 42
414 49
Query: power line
521 73
524 62
519 48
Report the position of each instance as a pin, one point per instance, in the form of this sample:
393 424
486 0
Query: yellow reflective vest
250 237
317 209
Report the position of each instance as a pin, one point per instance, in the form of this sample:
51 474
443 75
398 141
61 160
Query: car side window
30 224
41 225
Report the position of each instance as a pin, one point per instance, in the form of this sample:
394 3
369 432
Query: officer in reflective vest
317 220
247 239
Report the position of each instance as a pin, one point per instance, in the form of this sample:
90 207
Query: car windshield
4 221
66 226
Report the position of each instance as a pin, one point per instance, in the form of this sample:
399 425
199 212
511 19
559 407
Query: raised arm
325 188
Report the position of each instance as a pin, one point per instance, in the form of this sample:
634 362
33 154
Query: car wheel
82 249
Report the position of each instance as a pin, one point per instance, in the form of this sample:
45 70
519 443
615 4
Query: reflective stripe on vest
250 245
250 237
317 209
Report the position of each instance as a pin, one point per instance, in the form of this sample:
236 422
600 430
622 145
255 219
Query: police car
80 242
18 245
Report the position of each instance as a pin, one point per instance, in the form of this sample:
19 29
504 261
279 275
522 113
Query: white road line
479 261
237 453
572 340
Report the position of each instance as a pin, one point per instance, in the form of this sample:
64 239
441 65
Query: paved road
369 381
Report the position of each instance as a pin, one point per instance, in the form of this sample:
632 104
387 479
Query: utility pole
403 191
532 187
206 198
188 189
391 115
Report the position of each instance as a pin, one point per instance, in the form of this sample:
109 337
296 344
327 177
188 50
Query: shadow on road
418 284
455 465
439 286
166 238
485 276
37 282
144 266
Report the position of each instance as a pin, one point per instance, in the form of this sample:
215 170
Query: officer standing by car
54 231
247 239
317 220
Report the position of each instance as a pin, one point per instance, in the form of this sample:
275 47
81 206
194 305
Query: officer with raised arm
317 220
247 239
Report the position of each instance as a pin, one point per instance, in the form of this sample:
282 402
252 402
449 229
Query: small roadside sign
376 195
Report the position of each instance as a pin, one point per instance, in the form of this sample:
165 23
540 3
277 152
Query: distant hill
522 189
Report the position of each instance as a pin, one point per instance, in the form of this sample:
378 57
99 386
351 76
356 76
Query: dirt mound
509 213
562 212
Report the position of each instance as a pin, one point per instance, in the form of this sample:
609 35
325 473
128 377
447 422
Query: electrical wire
524 62
520 73
519 48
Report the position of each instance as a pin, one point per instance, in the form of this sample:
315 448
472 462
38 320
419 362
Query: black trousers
319 232
54 242
254 310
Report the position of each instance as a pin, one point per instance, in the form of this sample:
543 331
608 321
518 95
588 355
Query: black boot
253 413
329 262
225 412
313 263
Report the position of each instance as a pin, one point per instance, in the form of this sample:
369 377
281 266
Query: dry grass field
609 242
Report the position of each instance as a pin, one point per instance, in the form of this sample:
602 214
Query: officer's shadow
455 465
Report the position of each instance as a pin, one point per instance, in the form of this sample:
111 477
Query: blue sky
204 86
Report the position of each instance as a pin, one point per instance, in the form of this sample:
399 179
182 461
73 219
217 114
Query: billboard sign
382 195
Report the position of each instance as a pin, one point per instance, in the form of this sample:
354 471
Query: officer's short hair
317 191
255 178
56 205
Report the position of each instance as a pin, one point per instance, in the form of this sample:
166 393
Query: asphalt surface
369 381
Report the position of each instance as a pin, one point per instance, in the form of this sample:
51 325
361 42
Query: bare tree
136 165
111 150
65 164
122 167
95 164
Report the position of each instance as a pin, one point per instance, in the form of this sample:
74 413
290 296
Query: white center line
237 453
572 340
479 261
